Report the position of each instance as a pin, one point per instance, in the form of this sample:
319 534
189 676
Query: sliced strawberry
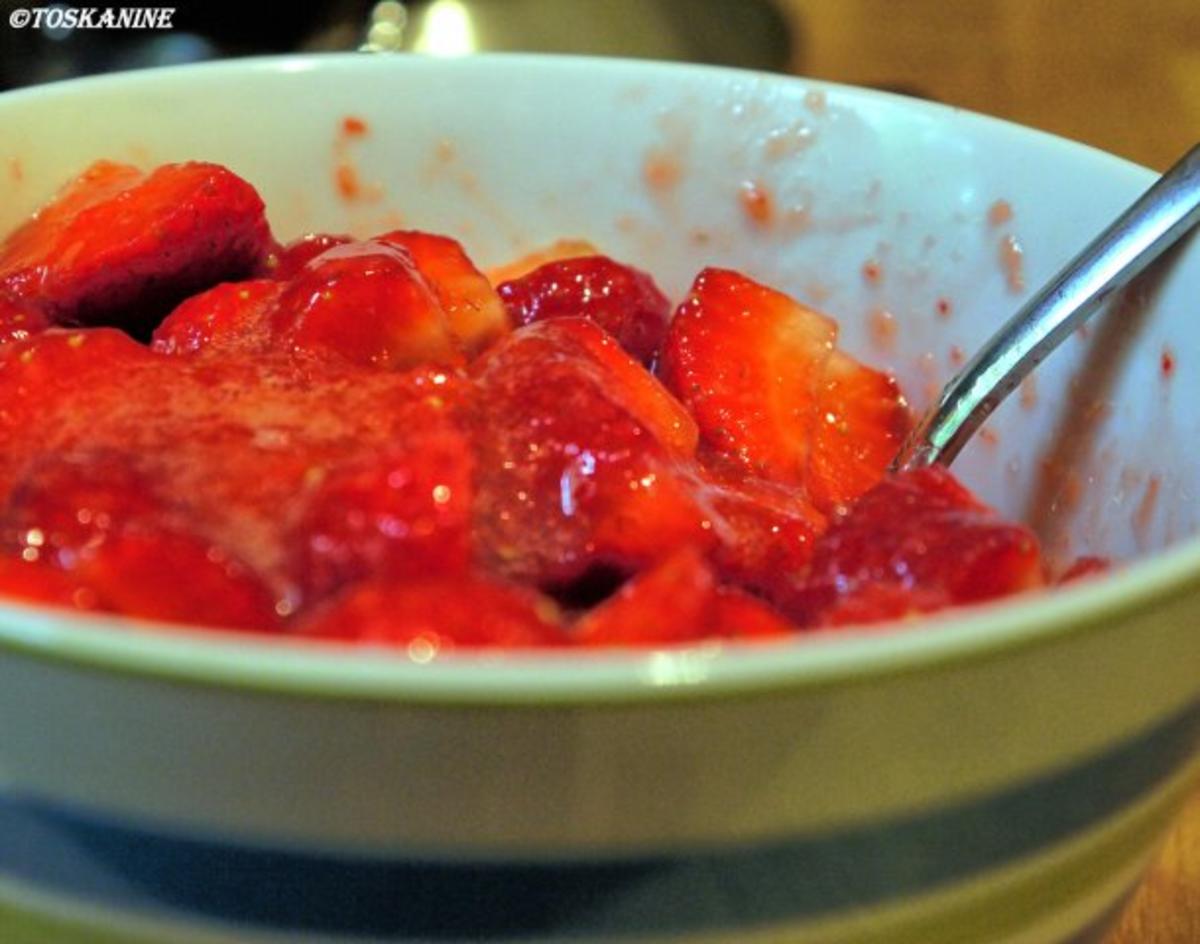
622 300
122 248
570 477
562 249
403 514
437 614
668 604
917 542
476 313
233 316
747 361
761 375
286 262
862 419
366 302
100 181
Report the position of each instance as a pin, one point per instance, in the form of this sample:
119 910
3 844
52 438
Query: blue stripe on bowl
130 867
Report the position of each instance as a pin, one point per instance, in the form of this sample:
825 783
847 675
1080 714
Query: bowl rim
533 679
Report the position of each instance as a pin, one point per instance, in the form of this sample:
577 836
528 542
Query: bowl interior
919 227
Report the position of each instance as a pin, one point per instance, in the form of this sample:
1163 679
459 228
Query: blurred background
1122 75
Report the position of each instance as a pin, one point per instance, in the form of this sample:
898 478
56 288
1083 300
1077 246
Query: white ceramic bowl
1000 774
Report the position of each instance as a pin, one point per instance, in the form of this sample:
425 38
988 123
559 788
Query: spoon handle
1159 218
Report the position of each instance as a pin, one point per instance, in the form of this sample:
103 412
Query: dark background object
747 33
201 29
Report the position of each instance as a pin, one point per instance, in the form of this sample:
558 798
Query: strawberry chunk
243 441
233 316
571 477
402 514
366 302
917 542
675 603
97 518
438 614
668 604
402 299
761 374
622 300
120 247
476 314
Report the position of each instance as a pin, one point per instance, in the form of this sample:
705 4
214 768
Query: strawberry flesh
738 615
765 532
523 265
635 388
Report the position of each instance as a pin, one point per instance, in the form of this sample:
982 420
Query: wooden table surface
1121 75
1166 908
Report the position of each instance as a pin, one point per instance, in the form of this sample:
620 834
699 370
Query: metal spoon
1157 220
